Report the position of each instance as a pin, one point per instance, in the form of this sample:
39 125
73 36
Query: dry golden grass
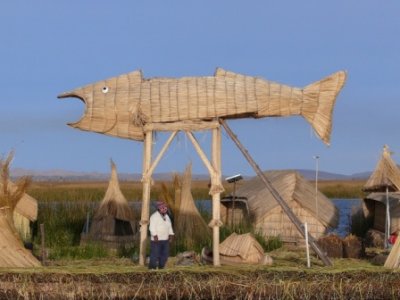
94 190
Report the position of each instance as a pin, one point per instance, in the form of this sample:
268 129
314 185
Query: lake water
345 207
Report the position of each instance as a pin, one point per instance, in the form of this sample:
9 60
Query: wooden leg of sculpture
216 195
216 187
144 222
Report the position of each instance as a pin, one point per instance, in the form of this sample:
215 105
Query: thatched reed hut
267 215
382 205
114 224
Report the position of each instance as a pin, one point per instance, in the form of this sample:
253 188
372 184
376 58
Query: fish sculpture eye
105 89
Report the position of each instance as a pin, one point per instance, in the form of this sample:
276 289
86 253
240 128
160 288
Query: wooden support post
144 222
216 196
216 187
276 195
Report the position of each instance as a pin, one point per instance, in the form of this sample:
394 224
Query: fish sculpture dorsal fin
219 72
135 76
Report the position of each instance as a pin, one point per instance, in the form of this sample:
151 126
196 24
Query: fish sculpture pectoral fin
318 101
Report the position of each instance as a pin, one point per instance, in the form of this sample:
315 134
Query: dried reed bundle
190 227
393 260
353 247
11 193
114 202
332 245
12 251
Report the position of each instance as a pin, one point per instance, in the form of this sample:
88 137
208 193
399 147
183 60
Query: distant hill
63 175
310 174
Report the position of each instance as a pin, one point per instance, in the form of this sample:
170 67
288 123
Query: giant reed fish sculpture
123 106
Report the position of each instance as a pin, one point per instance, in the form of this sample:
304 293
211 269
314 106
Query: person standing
161 234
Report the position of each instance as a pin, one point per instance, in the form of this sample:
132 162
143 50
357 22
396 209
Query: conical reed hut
190 228
12 250
113 223
382 206
268 217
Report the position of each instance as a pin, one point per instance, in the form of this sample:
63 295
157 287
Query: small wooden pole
87 223
144 222
387 223
275 194
43 250
307 247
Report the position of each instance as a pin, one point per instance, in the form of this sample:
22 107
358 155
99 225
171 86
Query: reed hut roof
27 206
385 175
12 250
114 203
394 198
292 187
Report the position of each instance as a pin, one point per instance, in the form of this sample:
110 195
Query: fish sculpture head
107 108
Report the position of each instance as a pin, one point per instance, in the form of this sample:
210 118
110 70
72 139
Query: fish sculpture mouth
81 98
71 95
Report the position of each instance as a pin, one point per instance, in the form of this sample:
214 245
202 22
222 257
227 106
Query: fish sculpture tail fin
318 102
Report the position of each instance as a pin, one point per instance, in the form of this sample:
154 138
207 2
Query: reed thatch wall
374 206
319 212
237 213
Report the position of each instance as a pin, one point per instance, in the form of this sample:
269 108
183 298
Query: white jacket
160 226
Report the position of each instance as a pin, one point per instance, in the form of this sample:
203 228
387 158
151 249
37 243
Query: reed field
65 206
71 271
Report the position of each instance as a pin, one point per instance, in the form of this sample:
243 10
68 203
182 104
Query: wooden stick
43 250
203 157
276 195
216 197
159 156
144 222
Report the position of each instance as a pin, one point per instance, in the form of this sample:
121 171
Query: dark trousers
159 252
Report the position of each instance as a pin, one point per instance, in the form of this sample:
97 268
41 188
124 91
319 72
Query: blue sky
48 47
